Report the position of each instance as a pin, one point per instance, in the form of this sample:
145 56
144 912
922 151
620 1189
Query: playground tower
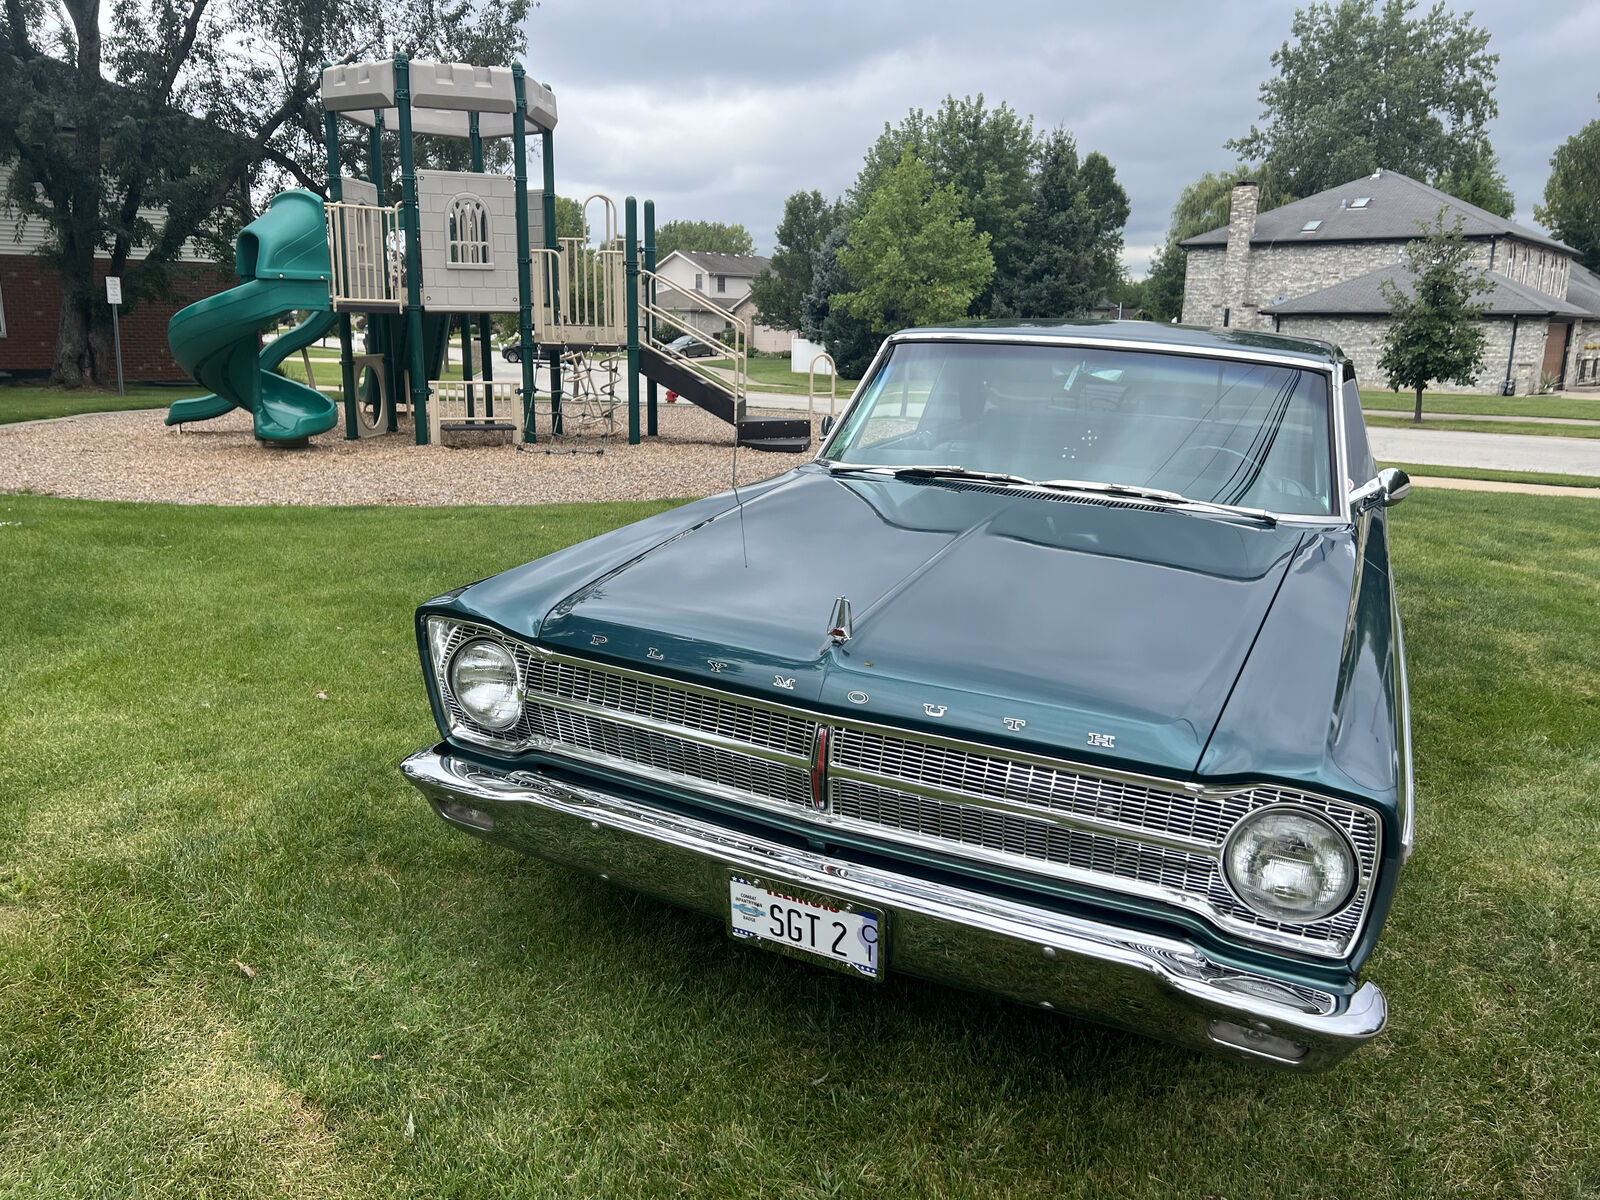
452 251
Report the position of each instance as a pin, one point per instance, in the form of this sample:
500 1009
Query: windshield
1252 435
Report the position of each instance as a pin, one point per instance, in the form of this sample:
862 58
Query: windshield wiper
951 471
1161 495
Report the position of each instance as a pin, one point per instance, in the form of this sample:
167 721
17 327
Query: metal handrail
738 350
811 383
366 249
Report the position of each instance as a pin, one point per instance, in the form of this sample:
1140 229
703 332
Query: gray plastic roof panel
442 94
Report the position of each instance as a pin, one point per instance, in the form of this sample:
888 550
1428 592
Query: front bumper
1153 985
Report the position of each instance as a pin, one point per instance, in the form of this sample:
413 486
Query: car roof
1154 334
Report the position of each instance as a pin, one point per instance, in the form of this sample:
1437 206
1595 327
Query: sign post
114 298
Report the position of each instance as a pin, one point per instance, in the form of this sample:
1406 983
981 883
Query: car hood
1106 631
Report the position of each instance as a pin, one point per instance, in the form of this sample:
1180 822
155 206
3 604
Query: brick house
30 304
1315 268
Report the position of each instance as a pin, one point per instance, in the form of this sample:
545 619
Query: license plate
806 924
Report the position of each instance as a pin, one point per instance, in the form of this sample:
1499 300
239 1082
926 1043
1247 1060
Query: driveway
1493 451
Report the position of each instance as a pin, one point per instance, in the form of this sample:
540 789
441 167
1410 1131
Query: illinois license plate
806 924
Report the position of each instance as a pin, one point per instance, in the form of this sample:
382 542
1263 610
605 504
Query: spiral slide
282 257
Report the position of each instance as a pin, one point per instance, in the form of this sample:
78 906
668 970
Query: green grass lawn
1506 406
1530 427
28 402
771 373
204 711
1550 480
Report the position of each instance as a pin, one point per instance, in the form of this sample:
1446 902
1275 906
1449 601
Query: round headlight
483 679
1289 865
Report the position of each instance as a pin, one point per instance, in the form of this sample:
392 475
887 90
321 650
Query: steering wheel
1281 483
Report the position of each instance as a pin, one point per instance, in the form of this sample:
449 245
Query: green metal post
347 362
413 226
466 358
477 142
547 156
377 325
487 361
378 173
630 258
519 136
650 301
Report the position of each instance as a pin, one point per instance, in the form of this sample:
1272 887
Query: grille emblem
935 710
654 653
715 665
598 640
786 682
1013 723
1106 740
858 697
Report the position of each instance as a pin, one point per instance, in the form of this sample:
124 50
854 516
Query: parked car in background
511 352
690 347
1070 670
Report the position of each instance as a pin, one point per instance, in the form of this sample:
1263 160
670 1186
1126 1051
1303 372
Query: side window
722 283
699 282
467 231
1358 455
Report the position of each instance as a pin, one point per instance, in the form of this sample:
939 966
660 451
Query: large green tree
1203 205
1571 208
712 237
986 154
1434 330
780 292
912 256
849 339
1361 86
188 109
1067 255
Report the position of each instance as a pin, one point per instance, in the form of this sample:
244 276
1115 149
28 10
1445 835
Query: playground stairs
782 434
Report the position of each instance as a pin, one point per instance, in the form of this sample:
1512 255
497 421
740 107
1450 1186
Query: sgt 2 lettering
800 928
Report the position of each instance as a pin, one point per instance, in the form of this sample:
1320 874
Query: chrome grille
591 712
1122 833
670 755
1128 807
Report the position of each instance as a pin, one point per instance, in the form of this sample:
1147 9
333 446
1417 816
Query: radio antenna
744 548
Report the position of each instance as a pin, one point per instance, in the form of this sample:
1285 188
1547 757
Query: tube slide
282 257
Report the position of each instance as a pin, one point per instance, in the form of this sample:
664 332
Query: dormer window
1361 202
467 231
1311 226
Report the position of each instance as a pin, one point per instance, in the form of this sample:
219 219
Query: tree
848 339
713 237
1483 183
1433 331
987 155
1203 205
780 291
189 109
1067 256
1361 87
570 221
911 255
1571 208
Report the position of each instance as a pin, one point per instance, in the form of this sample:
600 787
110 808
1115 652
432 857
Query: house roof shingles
1583 289
1395 205
746 266
1363 296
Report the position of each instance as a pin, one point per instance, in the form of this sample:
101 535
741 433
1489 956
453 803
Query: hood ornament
842 623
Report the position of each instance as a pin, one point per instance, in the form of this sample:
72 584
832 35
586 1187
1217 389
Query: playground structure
457 248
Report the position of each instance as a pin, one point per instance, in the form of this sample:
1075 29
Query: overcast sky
720 112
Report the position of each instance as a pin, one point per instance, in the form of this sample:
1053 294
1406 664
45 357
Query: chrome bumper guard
1162 987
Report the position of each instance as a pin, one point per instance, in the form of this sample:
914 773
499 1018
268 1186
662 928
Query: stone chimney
1238 307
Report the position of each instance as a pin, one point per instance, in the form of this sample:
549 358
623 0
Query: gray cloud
719 114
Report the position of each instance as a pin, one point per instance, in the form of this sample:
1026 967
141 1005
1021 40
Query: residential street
1494 451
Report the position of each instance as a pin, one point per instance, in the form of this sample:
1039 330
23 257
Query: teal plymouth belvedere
1068 670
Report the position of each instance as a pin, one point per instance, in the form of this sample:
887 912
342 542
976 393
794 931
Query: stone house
1315 268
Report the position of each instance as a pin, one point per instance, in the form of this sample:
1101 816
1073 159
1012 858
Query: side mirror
1390 486
827 426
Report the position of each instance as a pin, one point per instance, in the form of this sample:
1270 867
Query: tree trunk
1417 417
81 348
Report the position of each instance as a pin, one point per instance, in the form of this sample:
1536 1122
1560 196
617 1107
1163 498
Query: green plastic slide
282 256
